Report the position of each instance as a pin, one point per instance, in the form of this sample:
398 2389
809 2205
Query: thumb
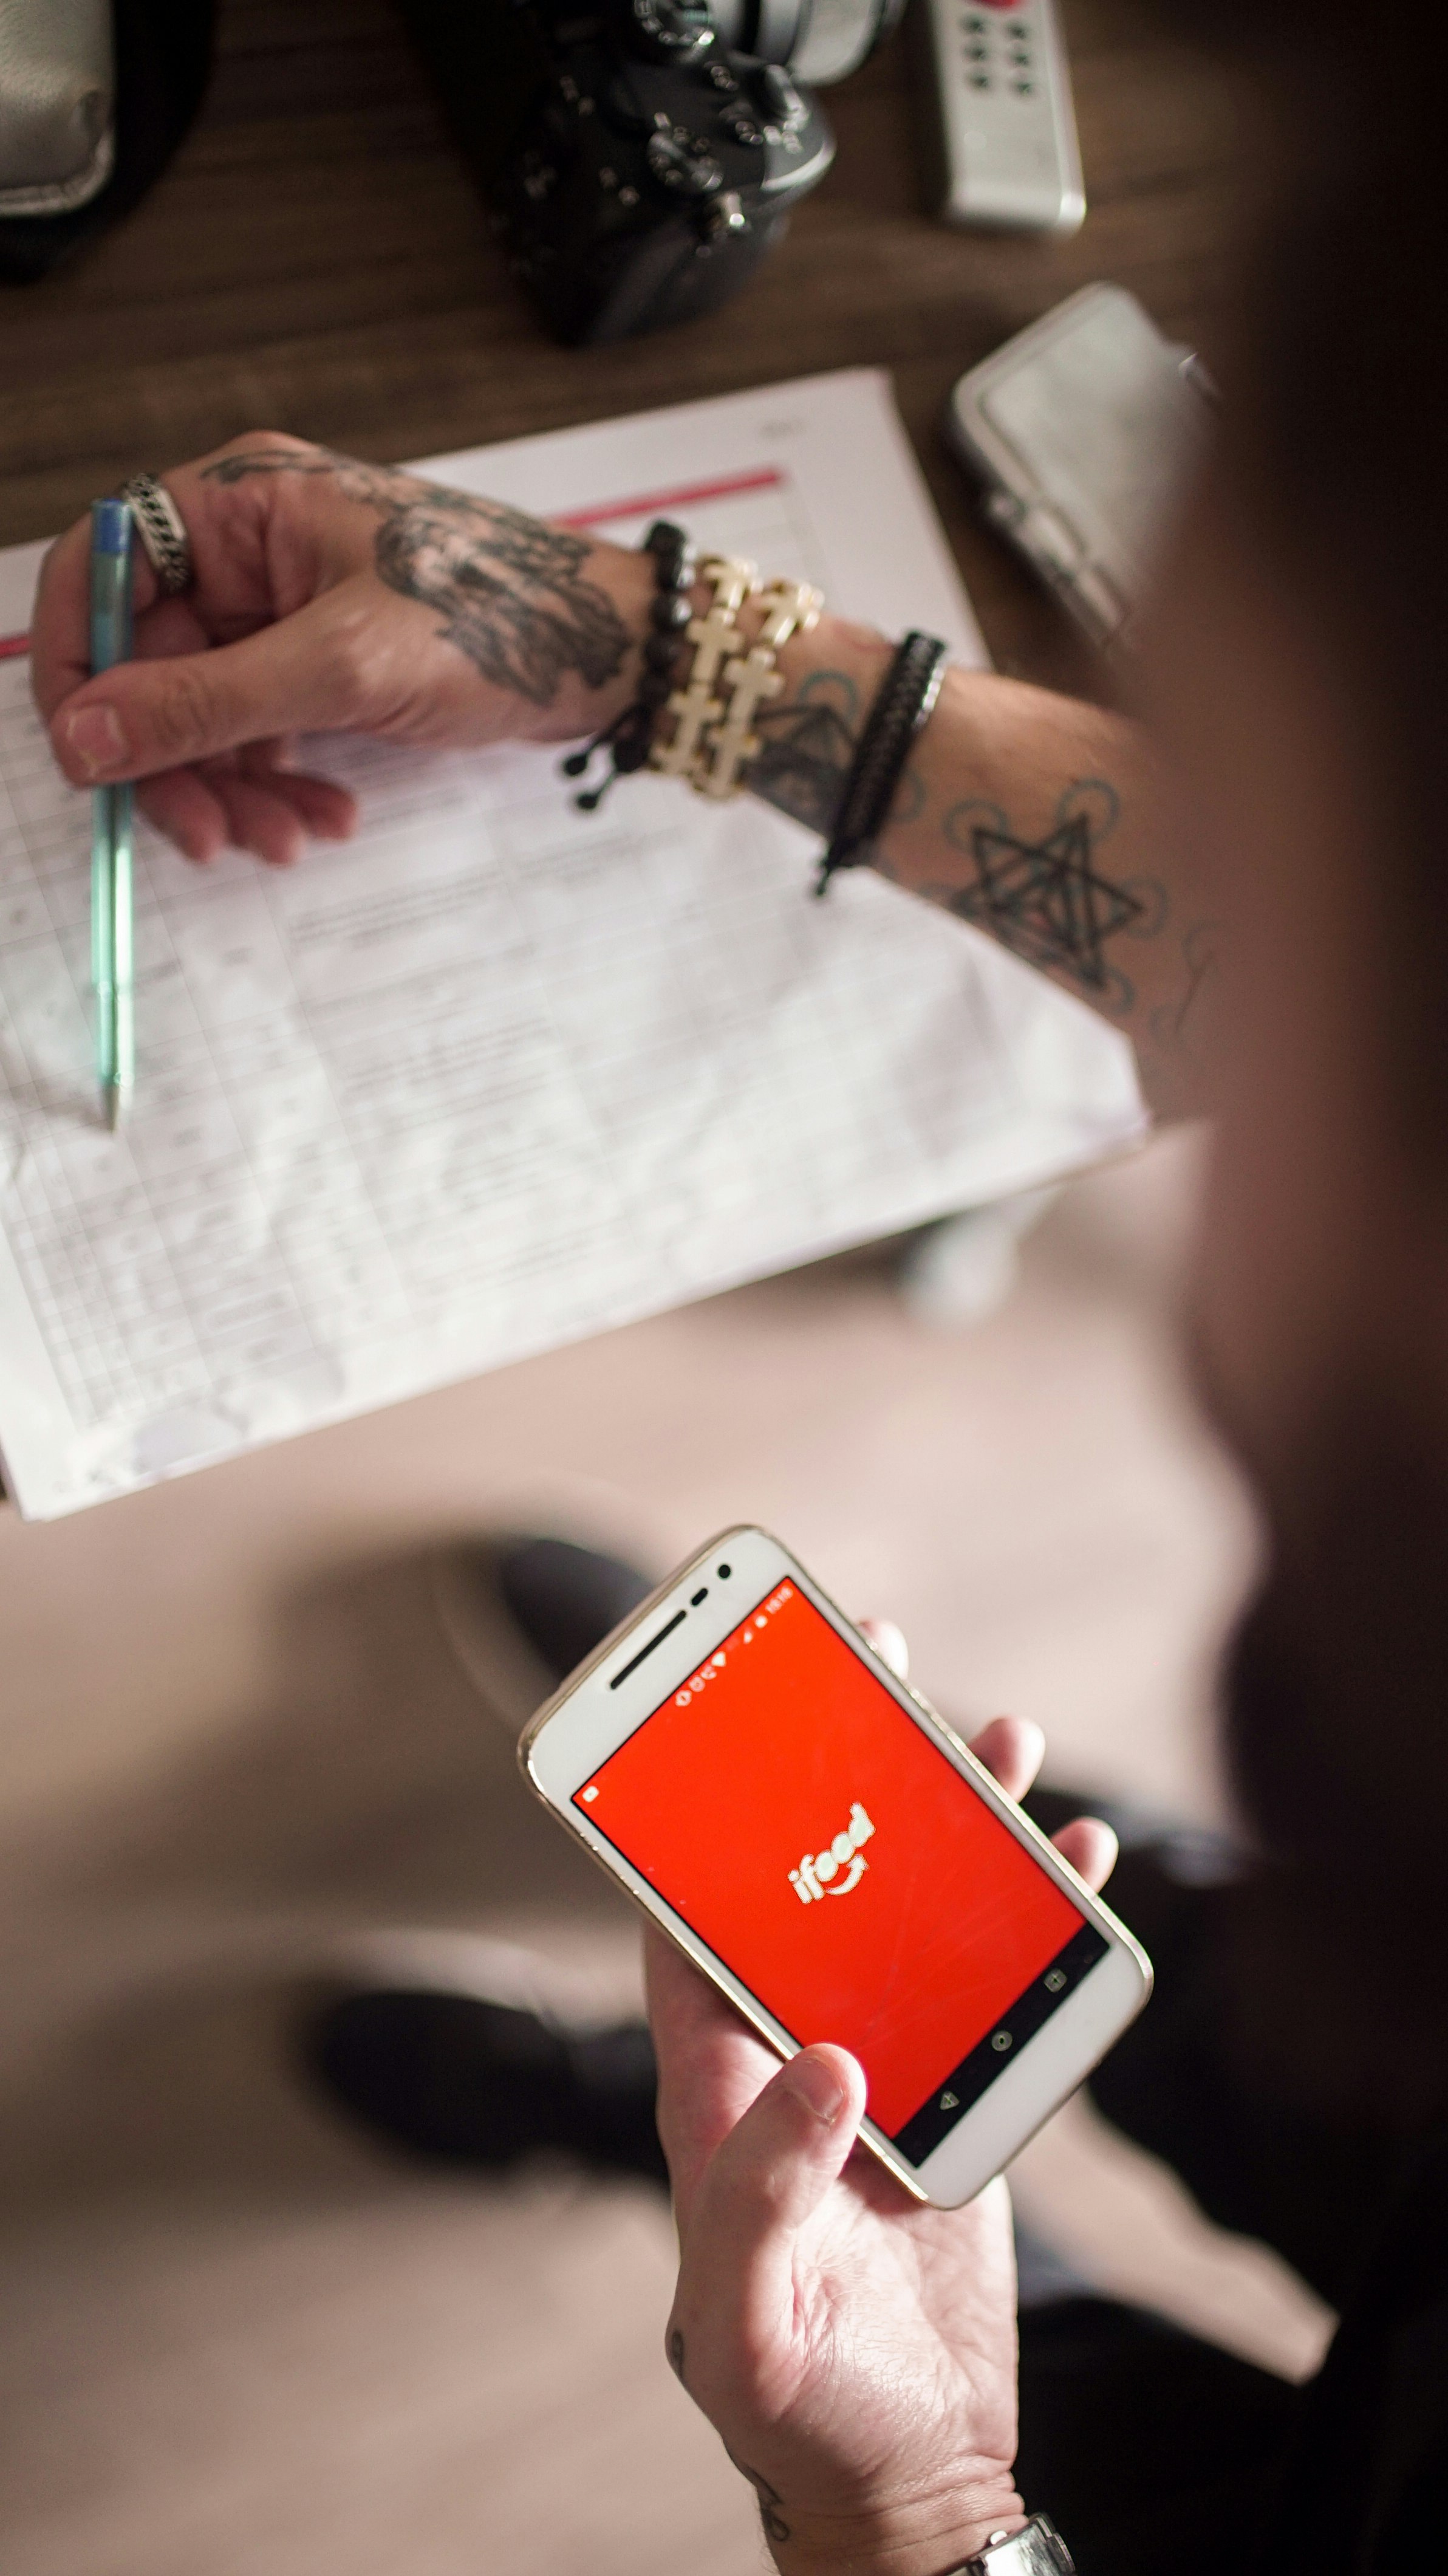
768 2176
303 674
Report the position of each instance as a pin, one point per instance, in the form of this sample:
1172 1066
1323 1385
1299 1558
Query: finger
276 753
1012 1750
1091 1848
190 808
778 2161
170 628
302 672
60 626
734 2305
889 1644
259 819
327 812
184 810
712 2066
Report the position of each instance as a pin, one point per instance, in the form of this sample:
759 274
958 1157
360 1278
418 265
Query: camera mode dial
667 31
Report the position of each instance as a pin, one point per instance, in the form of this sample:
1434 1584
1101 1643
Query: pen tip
113 1105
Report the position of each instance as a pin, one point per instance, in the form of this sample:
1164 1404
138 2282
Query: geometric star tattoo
1045 900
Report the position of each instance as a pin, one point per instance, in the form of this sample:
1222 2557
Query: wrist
922 2537
625 576
837 648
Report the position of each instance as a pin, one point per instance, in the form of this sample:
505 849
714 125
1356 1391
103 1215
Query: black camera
641 155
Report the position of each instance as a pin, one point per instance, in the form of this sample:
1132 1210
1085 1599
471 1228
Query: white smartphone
815 1838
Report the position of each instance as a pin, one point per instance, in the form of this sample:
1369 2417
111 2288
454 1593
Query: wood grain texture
317 260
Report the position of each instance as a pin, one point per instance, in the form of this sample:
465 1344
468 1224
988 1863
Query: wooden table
317 261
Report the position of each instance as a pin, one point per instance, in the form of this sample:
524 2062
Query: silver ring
162 532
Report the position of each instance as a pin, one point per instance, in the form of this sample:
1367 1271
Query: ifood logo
819 1873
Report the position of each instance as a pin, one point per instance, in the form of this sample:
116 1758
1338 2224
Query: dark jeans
1155 2453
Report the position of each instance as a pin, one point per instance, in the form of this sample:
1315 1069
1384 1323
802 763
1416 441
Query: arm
855 2350
336 595
1039 819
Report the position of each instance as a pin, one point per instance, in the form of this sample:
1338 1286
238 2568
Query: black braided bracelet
628 738
911 687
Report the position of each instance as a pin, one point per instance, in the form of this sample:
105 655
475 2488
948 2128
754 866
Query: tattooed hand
338 596
855 2350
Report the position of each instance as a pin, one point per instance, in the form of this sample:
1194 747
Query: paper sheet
496 1074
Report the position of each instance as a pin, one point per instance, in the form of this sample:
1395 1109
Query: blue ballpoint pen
112 823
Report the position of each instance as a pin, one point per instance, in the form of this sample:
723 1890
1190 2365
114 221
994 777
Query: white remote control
1006 127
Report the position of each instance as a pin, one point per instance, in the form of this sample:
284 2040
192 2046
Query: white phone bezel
594 1712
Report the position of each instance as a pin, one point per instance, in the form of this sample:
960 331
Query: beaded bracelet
629 738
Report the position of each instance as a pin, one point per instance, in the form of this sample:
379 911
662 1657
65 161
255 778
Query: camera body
641 155
653 173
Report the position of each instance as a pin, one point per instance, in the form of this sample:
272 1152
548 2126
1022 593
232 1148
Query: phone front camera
723 1572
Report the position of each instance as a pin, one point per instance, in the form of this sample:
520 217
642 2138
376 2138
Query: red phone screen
787 1806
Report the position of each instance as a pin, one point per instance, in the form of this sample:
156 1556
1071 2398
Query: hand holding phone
855 2350
816 1839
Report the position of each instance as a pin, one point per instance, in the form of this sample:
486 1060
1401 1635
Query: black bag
95 96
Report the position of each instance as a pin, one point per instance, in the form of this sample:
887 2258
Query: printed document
497 1074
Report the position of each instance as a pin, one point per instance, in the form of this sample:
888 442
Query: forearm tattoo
1049 900
509 590
806 748
1052 899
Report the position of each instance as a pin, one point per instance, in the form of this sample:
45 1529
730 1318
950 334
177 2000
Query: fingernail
97 738
814 2082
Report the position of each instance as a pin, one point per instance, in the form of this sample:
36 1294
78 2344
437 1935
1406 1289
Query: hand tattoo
506 586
